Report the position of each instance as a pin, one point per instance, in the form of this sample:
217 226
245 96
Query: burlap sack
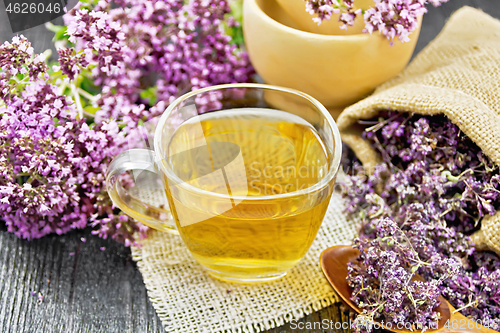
457 74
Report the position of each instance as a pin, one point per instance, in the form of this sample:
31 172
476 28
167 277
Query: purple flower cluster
384 283
434 185
100 43
17 58
144 54
393 18
324 9
52 163
71 63
59 130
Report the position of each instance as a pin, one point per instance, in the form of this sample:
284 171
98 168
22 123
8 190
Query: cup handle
137 159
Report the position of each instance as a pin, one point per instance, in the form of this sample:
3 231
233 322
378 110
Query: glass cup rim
332 172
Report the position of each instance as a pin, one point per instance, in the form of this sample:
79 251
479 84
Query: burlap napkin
188 300
457 74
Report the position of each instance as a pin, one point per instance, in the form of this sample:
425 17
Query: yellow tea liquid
256 156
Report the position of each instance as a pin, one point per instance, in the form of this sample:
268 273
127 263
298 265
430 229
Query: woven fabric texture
458 75
188 300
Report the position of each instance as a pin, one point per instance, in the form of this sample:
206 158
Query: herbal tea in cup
248 179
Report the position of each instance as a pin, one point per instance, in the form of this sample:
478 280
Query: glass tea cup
248 171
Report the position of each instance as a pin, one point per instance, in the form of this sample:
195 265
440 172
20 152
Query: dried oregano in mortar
418 208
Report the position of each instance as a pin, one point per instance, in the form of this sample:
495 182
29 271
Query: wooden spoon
334 265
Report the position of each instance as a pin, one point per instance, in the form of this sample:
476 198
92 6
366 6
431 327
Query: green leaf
236 33
54 28
90 3
237 10
149 95
61 35
87 84
59 32
91 109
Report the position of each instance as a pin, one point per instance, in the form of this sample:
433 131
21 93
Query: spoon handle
459 323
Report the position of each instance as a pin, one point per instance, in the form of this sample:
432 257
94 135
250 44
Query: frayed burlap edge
157 299
187 300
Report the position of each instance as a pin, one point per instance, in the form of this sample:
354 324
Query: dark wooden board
86 289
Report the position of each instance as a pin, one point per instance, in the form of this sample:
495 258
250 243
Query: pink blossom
392 18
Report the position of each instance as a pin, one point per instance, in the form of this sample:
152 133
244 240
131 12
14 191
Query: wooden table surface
86 289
